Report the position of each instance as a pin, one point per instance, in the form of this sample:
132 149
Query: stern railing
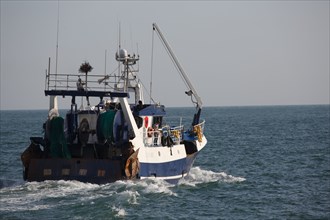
154 138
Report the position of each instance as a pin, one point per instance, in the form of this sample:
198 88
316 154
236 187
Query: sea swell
259 163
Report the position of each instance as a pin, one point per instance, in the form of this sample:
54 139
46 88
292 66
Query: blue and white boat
121 137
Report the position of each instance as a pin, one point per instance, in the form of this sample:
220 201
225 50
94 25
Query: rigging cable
138 80
151 68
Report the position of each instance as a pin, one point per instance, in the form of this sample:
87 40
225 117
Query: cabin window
101 173
82 172
65 172
47 172
158 120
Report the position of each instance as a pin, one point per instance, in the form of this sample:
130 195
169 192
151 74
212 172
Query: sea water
269 162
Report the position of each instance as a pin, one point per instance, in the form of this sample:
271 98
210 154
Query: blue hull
172 171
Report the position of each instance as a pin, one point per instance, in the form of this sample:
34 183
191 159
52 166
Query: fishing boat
120 137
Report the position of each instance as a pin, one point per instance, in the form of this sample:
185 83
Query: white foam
156 186
28 195
120 212
61 188
198 176
31 196
148 186
21 204
130 196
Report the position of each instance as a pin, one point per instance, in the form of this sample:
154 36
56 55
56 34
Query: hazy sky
235 52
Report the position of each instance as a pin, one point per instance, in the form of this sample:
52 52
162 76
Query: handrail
202 124
176 134
70 81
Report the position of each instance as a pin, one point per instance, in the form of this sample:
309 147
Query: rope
198 131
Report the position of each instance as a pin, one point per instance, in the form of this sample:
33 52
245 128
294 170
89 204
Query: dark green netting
58 146
106 124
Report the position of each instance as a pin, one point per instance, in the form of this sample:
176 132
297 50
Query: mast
127 60
192 91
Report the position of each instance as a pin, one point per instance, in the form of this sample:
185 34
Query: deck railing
176 134
154 138
63 81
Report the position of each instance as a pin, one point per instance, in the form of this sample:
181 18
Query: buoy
146 120
132 166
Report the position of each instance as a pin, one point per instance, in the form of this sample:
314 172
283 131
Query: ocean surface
269 162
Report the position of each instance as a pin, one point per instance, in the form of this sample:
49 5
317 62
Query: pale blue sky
236 53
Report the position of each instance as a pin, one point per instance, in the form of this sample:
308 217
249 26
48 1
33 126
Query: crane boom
179 67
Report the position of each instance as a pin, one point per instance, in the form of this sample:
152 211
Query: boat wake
199 176
45 195
29 196
10 183
117 196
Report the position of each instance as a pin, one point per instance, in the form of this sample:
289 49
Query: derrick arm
192 91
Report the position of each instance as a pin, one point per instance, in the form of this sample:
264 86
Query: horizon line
208 106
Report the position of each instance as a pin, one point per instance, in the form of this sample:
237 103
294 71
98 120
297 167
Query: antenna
119 47
137 51
105 62
105 68
58 24
119 37
131 36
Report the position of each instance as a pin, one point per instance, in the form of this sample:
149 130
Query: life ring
150 131
132 166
